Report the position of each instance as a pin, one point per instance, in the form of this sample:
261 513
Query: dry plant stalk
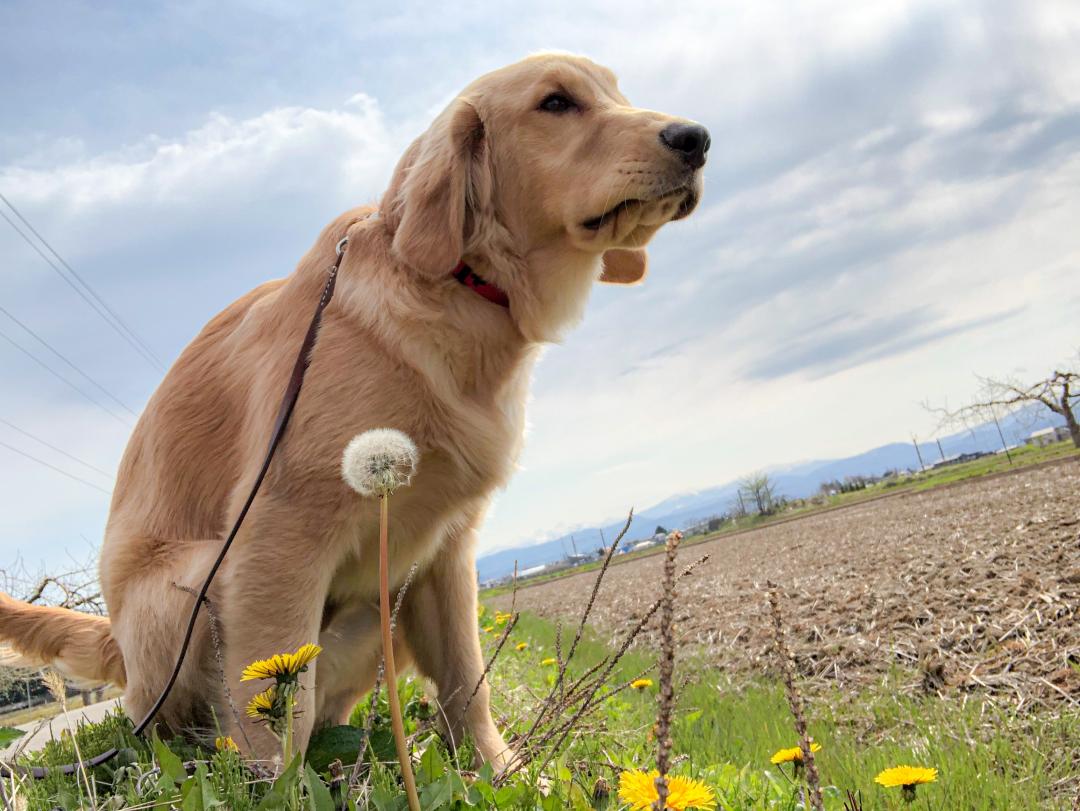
787 670
55 682
666 698
491 661
213 624
556 688
3 794
566 713
853 801
498 648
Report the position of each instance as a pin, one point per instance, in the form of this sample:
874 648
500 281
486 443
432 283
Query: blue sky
890 207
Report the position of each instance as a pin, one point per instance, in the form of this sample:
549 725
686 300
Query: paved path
42 731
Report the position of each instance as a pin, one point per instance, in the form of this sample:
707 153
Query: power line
60 377
54 468
145 350
51 447
71 364
101 308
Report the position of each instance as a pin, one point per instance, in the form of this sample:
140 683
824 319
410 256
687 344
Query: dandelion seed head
377 462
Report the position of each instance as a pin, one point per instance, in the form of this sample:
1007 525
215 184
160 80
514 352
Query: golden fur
496 181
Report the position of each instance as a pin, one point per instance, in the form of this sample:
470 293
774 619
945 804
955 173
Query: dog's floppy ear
624 265
426 204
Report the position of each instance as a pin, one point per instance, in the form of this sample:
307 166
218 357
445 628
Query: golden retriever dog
542 179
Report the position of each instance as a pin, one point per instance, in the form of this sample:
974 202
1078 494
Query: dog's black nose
691 140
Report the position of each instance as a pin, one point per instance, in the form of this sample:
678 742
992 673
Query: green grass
988 757
724 734
1022 457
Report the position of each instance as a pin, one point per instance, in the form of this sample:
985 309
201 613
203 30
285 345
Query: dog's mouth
596 223
686 206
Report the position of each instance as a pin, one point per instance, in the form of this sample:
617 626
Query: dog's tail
80 646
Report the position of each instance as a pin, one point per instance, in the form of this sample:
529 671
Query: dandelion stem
287 739
388 655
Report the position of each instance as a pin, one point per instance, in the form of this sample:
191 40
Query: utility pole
915 442
1004 446
573 543
940 450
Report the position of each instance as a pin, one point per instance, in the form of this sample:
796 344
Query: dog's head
546 163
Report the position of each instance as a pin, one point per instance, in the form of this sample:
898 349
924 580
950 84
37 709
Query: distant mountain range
794 481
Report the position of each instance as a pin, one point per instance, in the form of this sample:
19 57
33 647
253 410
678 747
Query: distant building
1048 436
959 458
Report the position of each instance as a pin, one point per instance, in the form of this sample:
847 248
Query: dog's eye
557 103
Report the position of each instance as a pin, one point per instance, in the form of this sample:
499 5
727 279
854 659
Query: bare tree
74 586
1059 392
738 506
759 491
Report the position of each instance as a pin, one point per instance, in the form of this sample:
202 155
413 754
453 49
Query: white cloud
897 176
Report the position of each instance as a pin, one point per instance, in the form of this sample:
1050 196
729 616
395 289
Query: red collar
492 292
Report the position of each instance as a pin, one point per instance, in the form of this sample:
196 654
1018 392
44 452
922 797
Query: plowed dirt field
968 587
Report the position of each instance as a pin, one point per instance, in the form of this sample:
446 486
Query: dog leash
288 403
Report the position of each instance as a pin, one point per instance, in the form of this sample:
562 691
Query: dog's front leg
440 626
272 601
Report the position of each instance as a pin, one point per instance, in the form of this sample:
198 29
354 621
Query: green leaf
437 794
275 799
432 765
333 743
510 796
8 736
318 795
171 765
198 792
386 800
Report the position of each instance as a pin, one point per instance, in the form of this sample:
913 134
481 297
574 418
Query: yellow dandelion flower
641 684
282 665
488 629
906 776
551 660
520 646
225 744
794 753
262 704
637 789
